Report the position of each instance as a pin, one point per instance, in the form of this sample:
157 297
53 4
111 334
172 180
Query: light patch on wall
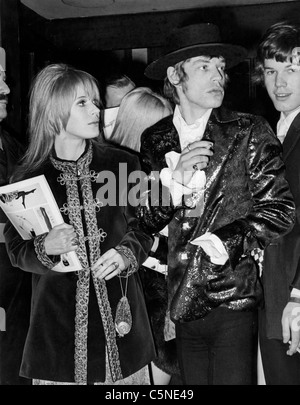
140 55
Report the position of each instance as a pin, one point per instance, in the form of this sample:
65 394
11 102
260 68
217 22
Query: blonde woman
74 335
138 110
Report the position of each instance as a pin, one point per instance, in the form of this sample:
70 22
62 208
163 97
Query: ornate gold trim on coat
77 178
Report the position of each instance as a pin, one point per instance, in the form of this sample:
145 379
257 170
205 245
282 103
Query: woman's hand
61 239
109 265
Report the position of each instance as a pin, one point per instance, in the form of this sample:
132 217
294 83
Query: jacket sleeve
136 242
22 253
273 210
296 281
156 208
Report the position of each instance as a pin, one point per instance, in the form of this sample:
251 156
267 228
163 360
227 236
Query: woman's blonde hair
52 94
139 109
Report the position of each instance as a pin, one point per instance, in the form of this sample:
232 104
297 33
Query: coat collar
222 115
71 166
292 137
170 140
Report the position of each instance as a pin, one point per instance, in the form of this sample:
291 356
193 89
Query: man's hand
291 326
194 157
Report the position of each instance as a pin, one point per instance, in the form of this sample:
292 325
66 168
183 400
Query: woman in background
140 109
78 332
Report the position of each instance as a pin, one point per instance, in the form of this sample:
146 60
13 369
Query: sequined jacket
72 327
247 203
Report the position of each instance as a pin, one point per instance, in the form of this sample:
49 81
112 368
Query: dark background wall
102 44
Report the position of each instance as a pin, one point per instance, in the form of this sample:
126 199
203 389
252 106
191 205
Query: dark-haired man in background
278 69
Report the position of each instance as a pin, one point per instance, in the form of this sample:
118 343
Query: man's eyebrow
274 68
203 59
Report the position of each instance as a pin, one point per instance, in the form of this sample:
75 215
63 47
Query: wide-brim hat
194 40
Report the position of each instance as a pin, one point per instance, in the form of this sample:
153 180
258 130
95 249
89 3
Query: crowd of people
183 215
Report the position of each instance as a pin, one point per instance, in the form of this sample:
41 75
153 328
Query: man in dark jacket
15 285
224 173
278 68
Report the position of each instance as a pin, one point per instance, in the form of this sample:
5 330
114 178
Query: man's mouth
282 96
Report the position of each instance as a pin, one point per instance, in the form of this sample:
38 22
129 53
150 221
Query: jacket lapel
169 143
221 137
292 137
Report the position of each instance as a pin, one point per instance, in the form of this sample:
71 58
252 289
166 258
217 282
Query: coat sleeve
156 208
136 242
296 281
273 210
22 253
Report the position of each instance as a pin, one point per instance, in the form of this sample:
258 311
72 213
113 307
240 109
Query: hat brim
233 54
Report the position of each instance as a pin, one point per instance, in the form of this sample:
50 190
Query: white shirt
110 116
189 133
285 122
209 242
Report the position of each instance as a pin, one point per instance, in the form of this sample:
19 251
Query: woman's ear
172 75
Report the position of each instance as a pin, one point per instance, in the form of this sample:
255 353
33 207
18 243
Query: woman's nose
94 110
4 89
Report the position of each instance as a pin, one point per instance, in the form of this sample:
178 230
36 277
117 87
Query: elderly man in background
15 285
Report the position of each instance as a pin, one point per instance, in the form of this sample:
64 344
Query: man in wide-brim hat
228 196
191 41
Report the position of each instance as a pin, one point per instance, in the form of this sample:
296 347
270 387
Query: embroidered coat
282 257
15 285
247 203
72 318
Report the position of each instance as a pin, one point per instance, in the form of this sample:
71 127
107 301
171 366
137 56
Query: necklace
123 320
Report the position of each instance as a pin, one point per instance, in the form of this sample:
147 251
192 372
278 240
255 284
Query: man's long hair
277 43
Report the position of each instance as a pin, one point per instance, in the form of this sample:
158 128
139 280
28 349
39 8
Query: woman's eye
82 103
204 67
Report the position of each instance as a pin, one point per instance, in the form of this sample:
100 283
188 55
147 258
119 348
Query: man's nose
280 80
218 74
